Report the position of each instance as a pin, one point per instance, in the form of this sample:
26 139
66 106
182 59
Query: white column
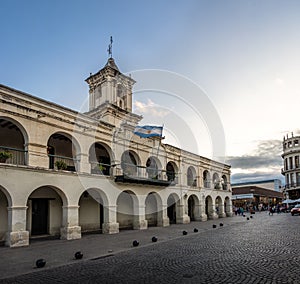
70 229
203 216
222 213
37 155
140 222
229 212
181 211
17 235
83 165
212 214
162 218
110 225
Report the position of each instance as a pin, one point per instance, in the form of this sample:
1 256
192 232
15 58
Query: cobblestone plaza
262 249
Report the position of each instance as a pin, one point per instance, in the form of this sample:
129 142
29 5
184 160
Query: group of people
239 210
275 208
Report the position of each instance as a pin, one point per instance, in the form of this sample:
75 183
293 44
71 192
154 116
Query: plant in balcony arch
101 168
4 155
61 165
217 185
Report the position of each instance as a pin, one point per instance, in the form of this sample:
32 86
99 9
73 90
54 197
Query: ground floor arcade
36 203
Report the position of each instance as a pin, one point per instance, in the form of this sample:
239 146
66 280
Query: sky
242 56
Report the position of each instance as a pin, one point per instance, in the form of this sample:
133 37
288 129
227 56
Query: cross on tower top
109 50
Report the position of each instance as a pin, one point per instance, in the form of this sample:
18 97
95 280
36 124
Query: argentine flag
148 131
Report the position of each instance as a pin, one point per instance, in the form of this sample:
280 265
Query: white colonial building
64 173
291 166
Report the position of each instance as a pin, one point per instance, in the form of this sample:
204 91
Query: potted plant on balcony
98 169
61 165
4 155
217 184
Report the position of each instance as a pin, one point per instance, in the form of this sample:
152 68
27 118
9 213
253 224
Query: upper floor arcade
37 133
61 150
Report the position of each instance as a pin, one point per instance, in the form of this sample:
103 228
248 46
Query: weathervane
109 50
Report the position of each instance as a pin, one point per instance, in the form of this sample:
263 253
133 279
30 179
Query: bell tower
110 92
109 85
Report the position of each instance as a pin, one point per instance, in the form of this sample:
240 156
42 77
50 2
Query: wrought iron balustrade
62 163
148 175
100 168
17 156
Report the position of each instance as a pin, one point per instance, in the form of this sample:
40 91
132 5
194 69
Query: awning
287 201
242 196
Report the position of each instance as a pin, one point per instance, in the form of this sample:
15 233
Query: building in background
252 197
291 167
272 184
64 172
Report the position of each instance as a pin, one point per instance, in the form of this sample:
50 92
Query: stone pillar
82 164
212 213
181 212
37 155
221 213
140 222
203 216
197 212
70 229
17 236
116 170
229 212
110 225
162 217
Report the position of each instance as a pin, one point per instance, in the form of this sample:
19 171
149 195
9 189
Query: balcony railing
18 156
292 185
207 184
216 185
100 168
68 164
141 174
289 169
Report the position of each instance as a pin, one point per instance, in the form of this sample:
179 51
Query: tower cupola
110 93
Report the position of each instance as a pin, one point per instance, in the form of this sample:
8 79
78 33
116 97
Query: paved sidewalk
18 261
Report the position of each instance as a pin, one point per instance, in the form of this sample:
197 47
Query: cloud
254 162
150 108
279 82
264 162
255 176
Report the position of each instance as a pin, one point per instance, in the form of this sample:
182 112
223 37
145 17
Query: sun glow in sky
244 55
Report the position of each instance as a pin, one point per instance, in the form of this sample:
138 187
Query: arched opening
224 182
192 203
227 207
191 176
216 181
151 209
12 143
129 163
171 172
100 159
125 209
172 208
219 206
152 168
209 207
91 211
121 104
44 216
61 152
4 217
206 179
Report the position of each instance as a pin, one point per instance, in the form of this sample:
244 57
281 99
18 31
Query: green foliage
61 165
4 155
